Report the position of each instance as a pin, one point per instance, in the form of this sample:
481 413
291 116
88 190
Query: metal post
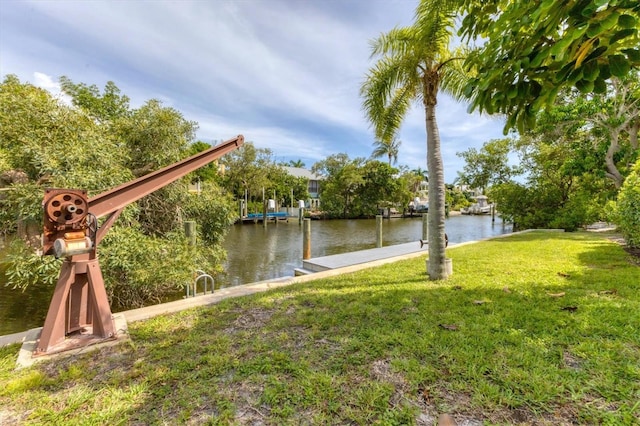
378 231
425 226
306 239
300 215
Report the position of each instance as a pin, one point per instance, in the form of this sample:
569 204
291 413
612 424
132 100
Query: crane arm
119 197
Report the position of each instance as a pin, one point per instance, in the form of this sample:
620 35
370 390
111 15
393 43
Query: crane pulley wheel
66 207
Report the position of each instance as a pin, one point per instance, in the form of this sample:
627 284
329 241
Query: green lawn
537 328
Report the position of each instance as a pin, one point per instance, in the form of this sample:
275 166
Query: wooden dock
383 255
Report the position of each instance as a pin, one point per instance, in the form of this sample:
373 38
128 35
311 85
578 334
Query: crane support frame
79 304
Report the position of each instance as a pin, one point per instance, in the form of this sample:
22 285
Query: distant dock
259 217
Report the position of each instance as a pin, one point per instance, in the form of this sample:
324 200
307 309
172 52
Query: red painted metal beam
119 197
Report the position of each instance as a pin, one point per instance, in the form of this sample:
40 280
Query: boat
481 206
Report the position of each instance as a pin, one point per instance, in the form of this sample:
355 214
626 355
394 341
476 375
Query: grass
538 328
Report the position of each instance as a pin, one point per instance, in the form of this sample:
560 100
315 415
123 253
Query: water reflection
256 253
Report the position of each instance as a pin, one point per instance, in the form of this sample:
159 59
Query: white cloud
285 73
48 83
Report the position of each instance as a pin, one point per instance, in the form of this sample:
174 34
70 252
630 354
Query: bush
140 270
25 267
628 208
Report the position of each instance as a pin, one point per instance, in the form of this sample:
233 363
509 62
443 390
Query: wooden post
378 231
425 226
306 239
190 231
264 210
493 213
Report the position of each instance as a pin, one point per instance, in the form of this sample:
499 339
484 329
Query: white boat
481 206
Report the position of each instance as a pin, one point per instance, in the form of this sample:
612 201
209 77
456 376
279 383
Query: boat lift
79 304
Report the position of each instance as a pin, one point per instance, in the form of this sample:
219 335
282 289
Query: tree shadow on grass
381 345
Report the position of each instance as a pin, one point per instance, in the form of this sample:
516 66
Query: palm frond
454 75
396 42
381 83
435 20
388 126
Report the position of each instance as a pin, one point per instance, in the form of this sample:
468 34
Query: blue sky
284 73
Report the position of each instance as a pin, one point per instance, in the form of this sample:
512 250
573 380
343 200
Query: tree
297 163
204 173
155 136
105 107
532 49
489 166
613 120
414 64
389 147
379 187
247 171
45 143
342 177
565 183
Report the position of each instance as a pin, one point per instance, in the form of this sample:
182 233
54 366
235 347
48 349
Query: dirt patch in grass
8 417
251 318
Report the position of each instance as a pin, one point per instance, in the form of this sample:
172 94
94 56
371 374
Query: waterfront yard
537 328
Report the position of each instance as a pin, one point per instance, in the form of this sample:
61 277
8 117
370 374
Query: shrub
628 207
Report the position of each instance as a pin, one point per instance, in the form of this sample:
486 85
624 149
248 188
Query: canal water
257 253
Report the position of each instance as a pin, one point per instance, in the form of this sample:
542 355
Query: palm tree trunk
436 264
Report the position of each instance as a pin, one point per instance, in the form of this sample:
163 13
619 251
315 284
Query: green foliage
4 160
456 199
140 270
246 169
105 107
342 177
21 203
387 148
353 188
213 210
156 136
27 268
97 145
531 50
295 163
489 166
628 208
55 145
204 173
379 188
573 158
254 171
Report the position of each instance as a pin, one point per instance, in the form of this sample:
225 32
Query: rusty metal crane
79 303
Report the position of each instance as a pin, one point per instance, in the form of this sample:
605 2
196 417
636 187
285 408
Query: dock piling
306 239
378 231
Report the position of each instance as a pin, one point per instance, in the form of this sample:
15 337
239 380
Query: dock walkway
335 261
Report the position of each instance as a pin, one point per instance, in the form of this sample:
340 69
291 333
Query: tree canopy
96 144
530 50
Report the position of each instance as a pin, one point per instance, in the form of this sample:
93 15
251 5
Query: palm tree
414 63
389 147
